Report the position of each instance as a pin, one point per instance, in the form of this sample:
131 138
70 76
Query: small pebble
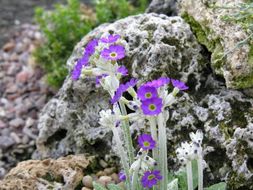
104 180
109 171
115 178
9 46
85 188
87 181
15 137
102 163
17 122
6 142
100 173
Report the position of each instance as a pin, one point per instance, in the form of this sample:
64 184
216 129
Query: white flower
110 83
168 98
197 137
106 66
143 162
192 150
108 118
185 152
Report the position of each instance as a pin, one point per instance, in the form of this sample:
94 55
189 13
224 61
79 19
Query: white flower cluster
143 162
191 150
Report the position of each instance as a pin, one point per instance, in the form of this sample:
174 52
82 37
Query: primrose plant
147 167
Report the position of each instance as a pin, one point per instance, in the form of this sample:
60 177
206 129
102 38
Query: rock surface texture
63 173
158 45
233 62
167 7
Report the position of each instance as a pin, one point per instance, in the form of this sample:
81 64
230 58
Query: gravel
23 93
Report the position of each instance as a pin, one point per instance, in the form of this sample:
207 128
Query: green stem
189 175
162 144
122 156
152 122
200 173
136 184
127 134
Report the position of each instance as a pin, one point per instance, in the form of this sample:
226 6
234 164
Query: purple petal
122 70
179 84
110 39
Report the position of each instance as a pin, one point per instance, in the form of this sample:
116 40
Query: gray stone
6 142
17 122
69 122
228 59
158 45
167 7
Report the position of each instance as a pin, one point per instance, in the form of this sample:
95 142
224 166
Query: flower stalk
189 175
122 156
162 144
200 172
127 134
153 129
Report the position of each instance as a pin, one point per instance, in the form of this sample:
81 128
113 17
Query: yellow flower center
146 144
152 107
151 177
113 54
148 95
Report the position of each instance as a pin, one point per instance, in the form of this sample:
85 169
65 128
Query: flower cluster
100 60
152 97
147 101
190 150
84 61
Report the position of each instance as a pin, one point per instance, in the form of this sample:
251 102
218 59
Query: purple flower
123 88
147 92
122 70
159 82
98 78
84 61
152 106
90 47
122 176
179 84
150 178
110 38
114 52
146 142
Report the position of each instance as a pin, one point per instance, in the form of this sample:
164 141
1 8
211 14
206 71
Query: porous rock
69 122
63 173
167 7
158 45
229 59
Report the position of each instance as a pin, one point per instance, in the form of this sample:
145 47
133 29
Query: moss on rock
234 62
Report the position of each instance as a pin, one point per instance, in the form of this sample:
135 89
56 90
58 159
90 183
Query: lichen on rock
63 173
221 38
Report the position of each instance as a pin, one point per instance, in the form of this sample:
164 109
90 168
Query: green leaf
218 186
113 187
182 176
173 185
182 179
97 186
